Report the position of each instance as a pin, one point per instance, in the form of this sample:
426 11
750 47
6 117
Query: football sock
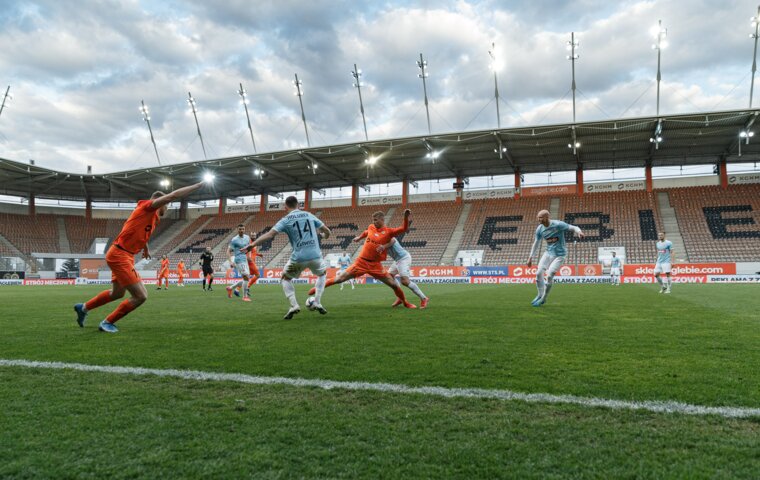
320 288
290 292
245 289
210 280
399 293
668 281
204 282
330 282
252 281
540 284
238 284
413 287
124 308
659 280
548 287
98 300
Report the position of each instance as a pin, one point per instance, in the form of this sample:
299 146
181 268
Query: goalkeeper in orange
373 252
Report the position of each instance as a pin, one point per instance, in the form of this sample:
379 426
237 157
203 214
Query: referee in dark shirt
208 271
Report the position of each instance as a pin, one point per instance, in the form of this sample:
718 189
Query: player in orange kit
372 253
163 273
181 273
251 255
132 240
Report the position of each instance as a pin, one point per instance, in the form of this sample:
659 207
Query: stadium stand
430 231
83 232
348 222
180 237
627 219
31 234
212 234
719 225
502 228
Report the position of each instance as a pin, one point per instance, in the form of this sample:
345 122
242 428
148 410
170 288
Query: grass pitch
700 345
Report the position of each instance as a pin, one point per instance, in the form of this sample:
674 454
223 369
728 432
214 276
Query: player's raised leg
391 282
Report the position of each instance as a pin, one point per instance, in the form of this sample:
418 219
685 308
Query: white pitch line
650 406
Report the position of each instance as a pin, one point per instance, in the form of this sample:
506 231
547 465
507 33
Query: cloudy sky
78 70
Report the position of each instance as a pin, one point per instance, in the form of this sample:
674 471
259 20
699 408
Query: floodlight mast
5 97
422 64
244 99
756 24
572 45
299 93
357 74
191 101
660 35
495 68
146 117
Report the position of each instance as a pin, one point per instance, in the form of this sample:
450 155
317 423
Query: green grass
699 345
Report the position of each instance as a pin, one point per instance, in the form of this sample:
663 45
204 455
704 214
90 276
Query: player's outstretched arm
382 248
533 250
175 195
577 231
146 252
263 238
324 231
359 238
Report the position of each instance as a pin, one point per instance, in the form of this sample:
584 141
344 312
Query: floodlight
208 177
164 183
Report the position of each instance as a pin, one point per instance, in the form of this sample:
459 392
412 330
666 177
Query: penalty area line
670 407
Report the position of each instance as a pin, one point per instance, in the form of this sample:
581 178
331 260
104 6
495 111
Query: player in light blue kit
304 231
344 261
238 259
402 262
664 263
616 266
553 231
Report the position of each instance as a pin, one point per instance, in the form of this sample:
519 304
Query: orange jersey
164 267
139 226
181 268
379 236
252 254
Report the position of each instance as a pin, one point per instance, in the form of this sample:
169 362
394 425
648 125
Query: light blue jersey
397 252
301 228
237 244
615 262
554 235
344 261
663 251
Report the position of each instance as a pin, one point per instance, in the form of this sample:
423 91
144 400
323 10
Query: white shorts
293 269
662 268
401 267
615 271
242 268
549 264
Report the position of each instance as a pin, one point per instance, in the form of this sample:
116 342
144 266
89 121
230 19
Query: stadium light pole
495 66
756 24
357 74
572 45
146 118
5 97
299 93
244 100
659 34
193 107
422 65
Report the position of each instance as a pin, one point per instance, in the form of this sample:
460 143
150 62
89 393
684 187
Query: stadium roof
697 138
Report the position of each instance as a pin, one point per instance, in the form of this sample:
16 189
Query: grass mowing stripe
651 406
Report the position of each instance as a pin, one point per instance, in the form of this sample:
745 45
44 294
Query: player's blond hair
378 213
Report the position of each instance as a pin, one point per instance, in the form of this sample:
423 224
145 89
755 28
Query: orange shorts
253 269
122 265
363 267
163 274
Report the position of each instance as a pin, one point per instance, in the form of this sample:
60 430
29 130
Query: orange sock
252 281
124 308
98 300
399 293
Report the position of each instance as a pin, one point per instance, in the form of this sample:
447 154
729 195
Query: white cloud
78 70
